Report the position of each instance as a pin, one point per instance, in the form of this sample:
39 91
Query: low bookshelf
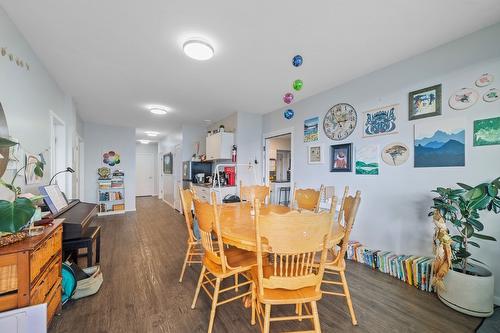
111 195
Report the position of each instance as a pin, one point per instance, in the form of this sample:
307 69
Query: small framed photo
341 158
316 154
424 103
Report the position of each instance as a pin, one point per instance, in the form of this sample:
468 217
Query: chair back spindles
187 204
209 224
293 241
350 208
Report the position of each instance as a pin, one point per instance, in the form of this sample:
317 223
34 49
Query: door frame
153 182
56 121
265 165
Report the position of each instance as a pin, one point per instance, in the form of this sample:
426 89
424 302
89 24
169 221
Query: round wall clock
340 121
463 99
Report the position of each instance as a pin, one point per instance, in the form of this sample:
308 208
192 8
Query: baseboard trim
168 203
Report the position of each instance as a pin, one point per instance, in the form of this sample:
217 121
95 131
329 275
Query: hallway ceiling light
198 49
158 109
151 133
144 142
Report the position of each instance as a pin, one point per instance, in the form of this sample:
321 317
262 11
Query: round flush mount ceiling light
144 142
151 133
158 109
198 49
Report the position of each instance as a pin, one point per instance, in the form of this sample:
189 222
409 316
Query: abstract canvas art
424 102
367 160
311 129
380 121
487 132
440 143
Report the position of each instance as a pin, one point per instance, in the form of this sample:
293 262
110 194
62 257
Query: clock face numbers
340 121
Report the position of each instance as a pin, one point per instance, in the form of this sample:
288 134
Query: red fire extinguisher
233 154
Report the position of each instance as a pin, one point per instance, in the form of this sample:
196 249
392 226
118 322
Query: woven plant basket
13 238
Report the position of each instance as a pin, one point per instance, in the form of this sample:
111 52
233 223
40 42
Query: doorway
58 151
145 171
278 173
77 176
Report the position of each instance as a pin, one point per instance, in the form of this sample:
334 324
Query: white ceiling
117 56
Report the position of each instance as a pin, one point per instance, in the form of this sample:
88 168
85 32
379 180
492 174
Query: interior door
145 174
177 170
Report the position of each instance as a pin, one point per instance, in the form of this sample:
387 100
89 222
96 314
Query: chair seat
238 260
283 296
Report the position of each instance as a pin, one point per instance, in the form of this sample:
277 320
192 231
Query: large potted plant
16 214
463 282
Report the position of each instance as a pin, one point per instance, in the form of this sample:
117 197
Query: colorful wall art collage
439 142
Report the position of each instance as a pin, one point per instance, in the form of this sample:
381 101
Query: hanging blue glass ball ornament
288 114
297 60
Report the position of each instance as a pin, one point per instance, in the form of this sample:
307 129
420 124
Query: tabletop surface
238 225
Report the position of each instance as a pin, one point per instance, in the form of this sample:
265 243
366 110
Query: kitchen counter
203 191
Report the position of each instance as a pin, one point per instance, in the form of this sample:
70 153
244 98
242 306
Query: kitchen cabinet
219 146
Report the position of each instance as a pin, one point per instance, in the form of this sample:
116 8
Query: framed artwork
168 160
29 172
440 143
424 103
380 121
316 154
367 160
463 99
341 158
485 80
111 158
395 154
491 95
487 132
311 129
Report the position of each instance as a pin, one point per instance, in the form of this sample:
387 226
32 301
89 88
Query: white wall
151 148
100 139
394 207
27 98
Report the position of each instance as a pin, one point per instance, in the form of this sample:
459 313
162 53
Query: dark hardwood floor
141 258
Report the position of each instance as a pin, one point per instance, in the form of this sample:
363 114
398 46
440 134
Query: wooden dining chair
306 199
335 265
252 192
219 262
293 241
194 251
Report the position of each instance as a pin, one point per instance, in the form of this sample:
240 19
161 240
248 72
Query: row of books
414 270
110 196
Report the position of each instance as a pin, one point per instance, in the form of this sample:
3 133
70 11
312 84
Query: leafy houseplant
468 287
460 209
14 215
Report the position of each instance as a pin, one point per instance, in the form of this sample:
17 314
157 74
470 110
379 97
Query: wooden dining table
238 225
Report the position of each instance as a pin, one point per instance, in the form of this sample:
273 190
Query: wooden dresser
30 271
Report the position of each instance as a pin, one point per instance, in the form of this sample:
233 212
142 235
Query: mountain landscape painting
367 160
440 144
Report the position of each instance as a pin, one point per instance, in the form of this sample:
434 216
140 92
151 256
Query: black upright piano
77 217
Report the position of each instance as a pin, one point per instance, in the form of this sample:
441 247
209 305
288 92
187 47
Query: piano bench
73 245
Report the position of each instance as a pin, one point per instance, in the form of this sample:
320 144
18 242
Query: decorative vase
469 294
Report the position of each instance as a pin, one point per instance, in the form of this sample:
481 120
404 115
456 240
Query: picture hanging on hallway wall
311 129
487 132
168 160
315 154
341 158
424 103
380 121
395 154
440 143
367 160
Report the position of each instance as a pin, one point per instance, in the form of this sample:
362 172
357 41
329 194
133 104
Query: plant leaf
485 237
476 224
15 215
492 190
465 186
473 243
6 143
457 238
468 230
